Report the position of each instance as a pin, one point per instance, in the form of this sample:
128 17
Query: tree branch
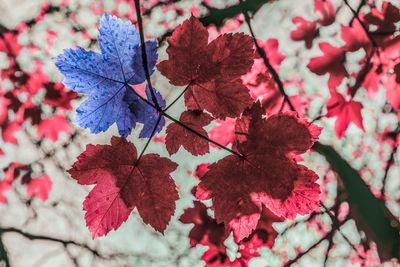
218 16
369 212
65 243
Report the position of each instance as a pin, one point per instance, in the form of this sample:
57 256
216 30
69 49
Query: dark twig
266 61
3 251
337 225
374 44
144 54
52 239
148 141
362 3
300 255
217 16
179 96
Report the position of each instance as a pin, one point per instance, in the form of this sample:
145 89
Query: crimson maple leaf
346 112
39 187
51 127
355 37
178 136
331 62
327 11
122 183
268 173
306 30
212 70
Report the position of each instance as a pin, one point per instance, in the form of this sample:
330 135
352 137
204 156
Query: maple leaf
384 19
327 10
57 96
122 183
39 187
52 126
223 132
178 136
212 70
105 78
345 111
9 44
272 47
205 228
306 31
8 129
355 37
268 174
331 62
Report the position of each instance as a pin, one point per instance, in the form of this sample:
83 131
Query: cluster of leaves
376 34
248 189
23 101
226 83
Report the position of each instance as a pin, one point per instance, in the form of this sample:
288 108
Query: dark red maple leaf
212 70
178 136
331 62
205 228
122 183
306 31
384 19
57 96
8 129
32 113
268 173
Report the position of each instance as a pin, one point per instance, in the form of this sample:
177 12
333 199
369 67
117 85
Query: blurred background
41 217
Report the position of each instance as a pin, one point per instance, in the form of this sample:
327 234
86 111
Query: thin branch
300 255
218 16
266 61
337 225
53 239
374 44
3 252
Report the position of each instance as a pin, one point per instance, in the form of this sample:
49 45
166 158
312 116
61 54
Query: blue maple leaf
105 77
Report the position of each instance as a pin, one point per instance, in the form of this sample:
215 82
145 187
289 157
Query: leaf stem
202 136
179 96
141 97
148 141
144 54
